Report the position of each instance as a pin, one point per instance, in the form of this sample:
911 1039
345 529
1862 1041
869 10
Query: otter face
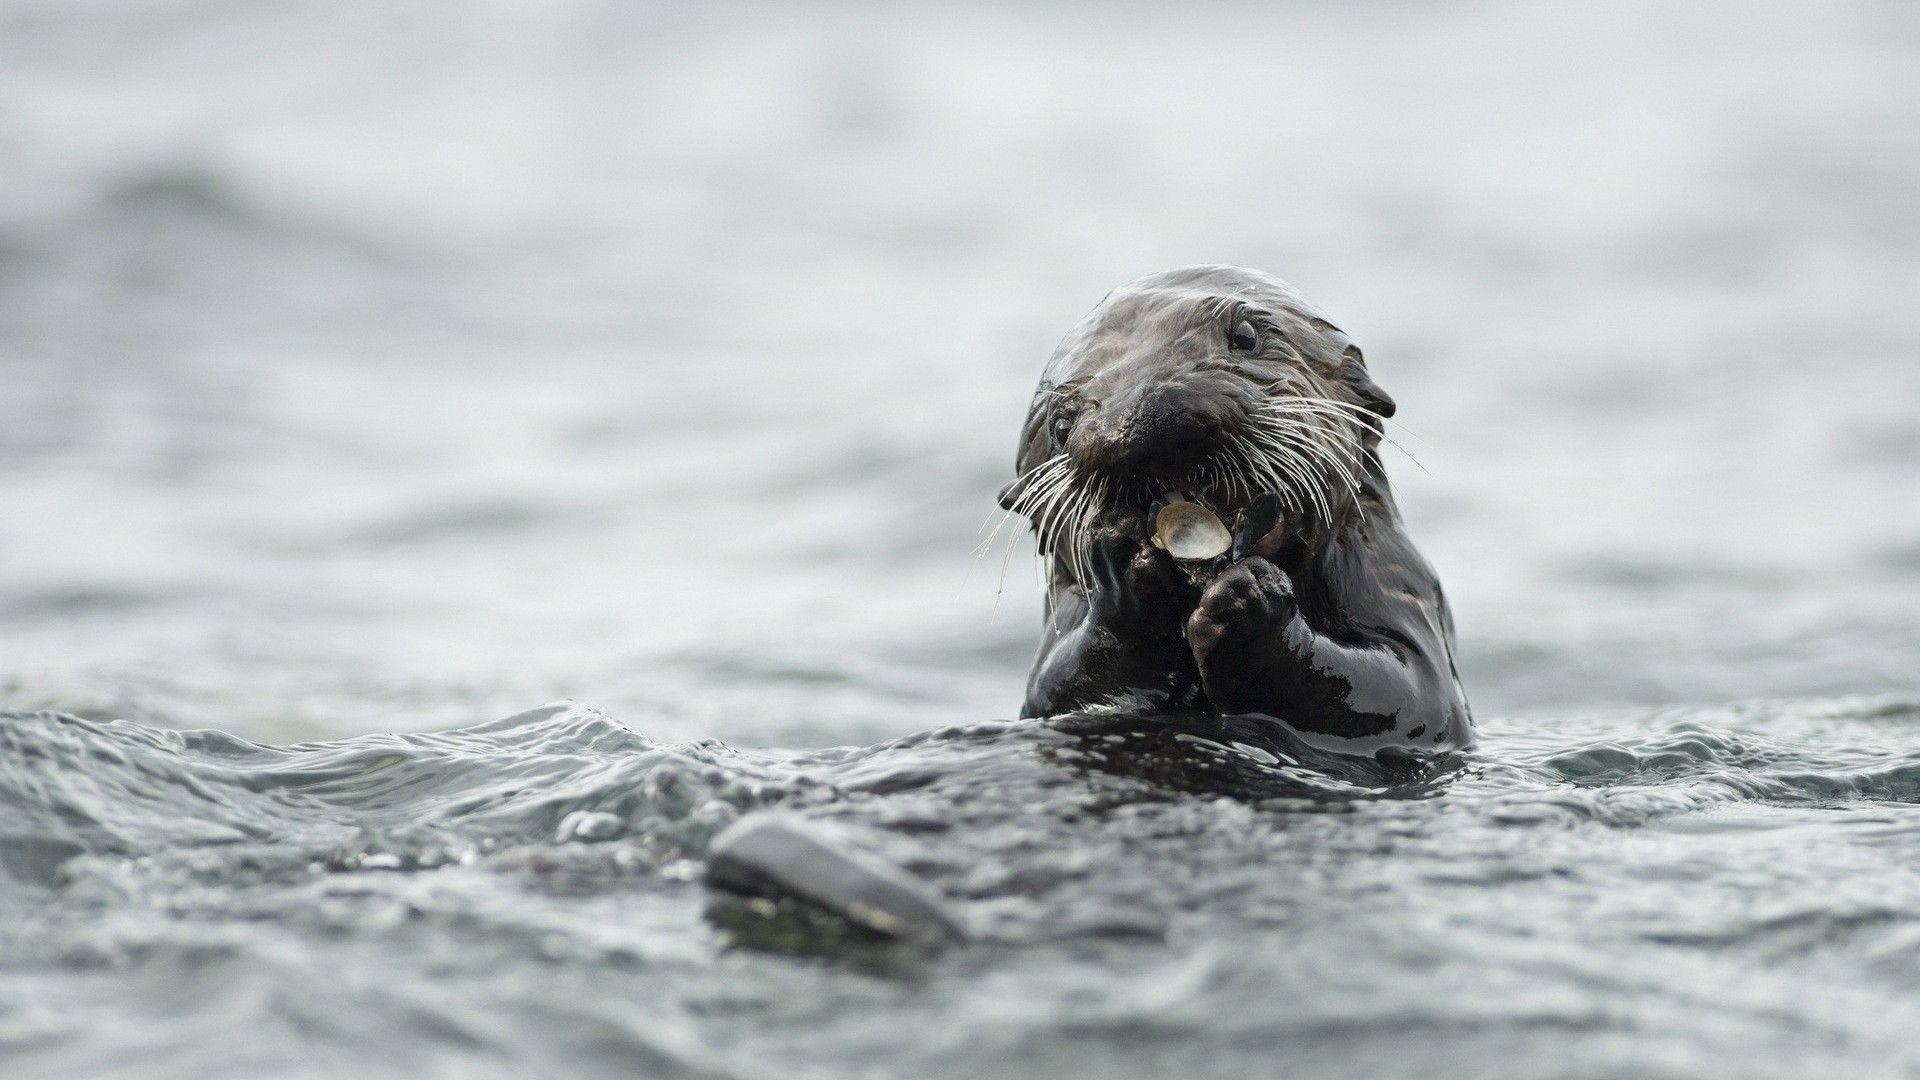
1213 382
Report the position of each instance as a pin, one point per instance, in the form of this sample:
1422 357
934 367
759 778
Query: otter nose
1166 431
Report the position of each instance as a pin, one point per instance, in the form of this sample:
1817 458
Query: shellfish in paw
1190 532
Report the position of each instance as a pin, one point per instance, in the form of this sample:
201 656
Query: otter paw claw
1248 599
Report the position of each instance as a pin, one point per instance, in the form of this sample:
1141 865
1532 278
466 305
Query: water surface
371 370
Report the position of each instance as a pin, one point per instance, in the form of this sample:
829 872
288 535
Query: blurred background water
387 367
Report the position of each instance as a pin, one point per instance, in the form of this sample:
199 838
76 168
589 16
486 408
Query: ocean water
374 377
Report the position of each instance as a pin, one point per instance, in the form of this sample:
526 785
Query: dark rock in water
784 857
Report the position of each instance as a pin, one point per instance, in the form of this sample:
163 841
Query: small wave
1747 765
123 789
1845 754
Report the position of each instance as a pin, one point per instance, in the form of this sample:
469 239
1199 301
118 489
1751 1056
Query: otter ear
1353 369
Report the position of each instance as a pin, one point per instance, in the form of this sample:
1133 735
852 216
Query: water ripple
1127 879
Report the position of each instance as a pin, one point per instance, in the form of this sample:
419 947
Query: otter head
1213 382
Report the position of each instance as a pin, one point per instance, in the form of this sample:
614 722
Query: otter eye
1243 337
1062 427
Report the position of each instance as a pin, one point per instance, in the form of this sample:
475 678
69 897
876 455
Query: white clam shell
1190 532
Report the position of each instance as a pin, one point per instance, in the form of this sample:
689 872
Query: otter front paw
1135 585
1242 620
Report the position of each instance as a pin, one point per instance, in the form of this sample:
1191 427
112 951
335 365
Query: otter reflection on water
1311 659
1224 386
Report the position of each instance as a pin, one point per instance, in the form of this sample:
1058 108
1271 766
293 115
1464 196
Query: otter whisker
1305 398
1025 484
1338 410
1332 425
1319 424
1228 471
1056 512
1041 502
1095 499
1044 491
1336 435
1051 519
1065 532
1322 434
1040 474
1034 481
1309 440
1062 544
1237 473
1279 459
1037 487
1056 519
1359 414
1057 523
1337 466
1272 472
1307 490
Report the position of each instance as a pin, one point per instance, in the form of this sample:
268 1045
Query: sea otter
1304 635
1221 387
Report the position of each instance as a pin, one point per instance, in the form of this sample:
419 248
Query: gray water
375 370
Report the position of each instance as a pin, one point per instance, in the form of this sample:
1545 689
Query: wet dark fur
1335 624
